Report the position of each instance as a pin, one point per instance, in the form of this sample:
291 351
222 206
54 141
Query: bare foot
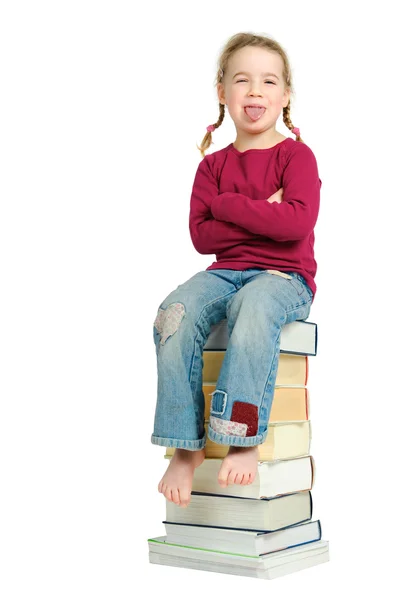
239 466
176 484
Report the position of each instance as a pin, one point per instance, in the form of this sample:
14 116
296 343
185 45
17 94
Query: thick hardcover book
242 513
242 541
284 440
290 403
274 478
270 566
292 368
298 337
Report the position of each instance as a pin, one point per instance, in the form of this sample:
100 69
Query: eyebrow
264 74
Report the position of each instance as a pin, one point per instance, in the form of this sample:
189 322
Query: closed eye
240 80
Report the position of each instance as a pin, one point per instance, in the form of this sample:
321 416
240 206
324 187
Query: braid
207 139
288 122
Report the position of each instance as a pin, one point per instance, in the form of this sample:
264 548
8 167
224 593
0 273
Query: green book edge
202 549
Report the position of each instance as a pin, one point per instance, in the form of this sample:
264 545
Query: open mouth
254 112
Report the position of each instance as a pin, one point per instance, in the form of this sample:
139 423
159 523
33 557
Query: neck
246 141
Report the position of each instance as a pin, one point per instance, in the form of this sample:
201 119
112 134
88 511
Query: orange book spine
307 406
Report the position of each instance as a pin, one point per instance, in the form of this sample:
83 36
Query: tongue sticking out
254 112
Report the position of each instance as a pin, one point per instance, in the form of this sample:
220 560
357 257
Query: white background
102 104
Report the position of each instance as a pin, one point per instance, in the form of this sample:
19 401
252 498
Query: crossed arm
218 221
209 235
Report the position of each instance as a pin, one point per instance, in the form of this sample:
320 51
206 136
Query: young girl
254 205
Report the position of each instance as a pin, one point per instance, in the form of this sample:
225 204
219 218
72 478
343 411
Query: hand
277 197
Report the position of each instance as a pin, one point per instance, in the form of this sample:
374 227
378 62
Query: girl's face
254 76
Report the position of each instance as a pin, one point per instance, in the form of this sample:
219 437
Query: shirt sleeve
292 219
208 235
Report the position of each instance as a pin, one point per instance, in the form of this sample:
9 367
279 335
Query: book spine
307 404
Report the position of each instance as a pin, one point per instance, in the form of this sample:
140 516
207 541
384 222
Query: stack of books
264 529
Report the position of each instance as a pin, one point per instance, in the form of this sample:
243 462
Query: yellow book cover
292 368
289 403
284 440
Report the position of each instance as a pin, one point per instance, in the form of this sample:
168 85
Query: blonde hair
236 42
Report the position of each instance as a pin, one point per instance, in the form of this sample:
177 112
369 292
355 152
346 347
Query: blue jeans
256 304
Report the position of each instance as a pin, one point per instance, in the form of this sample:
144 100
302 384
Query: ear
221 93
286 98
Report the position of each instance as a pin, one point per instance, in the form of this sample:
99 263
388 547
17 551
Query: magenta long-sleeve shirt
230 217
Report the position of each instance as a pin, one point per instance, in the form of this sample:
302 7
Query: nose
254 91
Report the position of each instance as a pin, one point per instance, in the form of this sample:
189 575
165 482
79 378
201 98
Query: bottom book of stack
264 566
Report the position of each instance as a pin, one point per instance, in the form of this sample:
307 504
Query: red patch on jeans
242 412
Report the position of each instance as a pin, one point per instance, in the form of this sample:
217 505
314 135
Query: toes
232 477
185 499
239 479
245 479
175 496
168 493
223 476
252 477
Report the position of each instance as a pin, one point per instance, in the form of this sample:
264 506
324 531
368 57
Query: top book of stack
298 337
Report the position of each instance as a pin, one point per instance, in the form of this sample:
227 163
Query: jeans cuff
236 440
183 444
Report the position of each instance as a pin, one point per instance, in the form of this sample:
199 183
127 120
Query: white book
273 478
298 337
285 439
242 513
242 541
270 566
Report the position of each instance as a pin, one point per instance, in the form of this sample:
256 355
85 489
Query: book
274 478
270 566
290 403
298 337
242 541
242 513
292 368
284 440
